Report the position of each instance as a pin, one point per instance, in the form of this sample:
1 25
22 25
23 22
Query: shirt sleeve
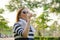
18 28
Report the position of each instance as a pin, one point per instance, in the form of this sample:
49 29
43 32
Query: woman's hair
18 14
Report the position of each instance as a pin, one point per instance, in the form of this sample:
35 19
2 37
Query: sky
10 16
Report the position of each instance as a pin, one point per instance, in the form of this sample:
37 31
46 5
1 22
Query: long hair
18 14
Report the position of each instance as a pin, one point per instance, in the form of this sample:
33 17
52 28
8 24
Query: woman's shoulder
18 23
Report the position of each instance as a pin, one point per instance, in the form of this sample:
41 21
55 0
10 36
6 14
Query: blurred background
46 19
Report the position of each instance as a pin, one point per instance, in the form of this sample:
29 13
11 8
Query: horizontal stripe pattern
18 29
31 34
16 25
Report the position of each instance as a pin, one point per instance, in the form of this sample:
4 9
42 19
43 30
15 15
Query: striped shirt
19 28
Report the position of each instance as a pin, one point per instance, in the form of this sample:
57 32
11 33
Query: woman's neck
24 19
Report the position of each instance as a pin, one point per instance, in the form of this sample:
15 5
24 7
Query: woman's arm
18 28
26 29
22 31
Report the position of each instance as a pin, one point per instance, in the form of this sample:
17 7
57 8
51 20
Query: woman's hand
29 17
27 27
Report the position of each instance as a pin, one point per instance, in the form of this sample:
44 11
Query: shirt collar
22 20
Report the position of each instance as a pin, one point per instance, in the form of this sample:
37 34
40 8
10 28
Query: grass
47 38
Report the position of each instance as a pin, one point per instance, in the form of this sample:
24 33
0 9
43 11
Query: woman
22 28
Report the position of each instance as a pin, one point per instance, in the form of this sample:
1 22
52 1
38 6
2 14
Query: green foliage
34 4
47 38
3 25
46 6
41 20
13 5
16 4
1 10
57 1
3 22
10 7
56 6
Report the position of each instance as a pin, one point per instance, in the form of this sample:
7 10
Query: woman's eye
25 12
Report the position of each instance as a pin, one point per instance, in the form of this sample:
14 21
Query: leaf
46 6
1 10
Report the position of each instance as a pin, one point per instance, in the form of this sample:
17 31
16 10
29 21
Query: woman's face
26 13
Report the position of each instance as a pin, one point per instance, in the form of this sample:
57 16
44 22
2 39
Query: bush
47 38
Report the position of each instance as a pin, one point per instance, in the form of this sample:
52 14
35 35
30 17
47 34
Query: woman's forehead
26 9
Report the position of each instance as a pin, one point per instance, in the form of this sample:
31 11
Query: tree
3 23
48 7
